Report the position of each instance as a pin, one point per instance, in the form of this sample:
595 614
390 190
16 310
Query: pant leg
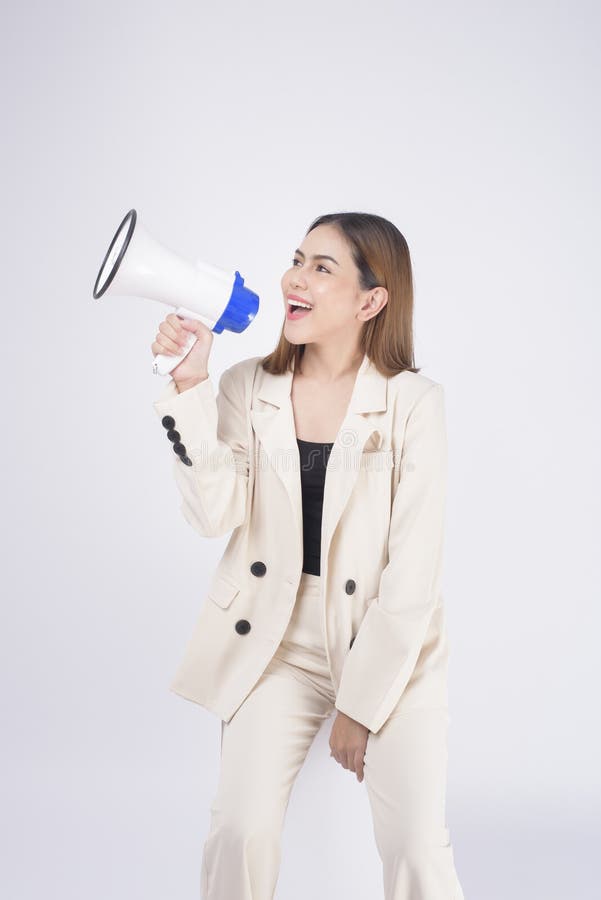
263 747
405 769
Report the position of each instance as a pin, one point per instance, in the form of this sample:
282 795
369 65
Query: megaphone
136 264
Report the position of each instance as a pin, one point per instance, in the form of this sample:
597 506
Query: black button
186 460
167 421
173 435
350 586
179 449
242 626
258 568
351 643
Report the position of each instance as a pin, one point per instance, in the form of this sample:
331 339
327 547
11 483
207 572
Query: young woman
327 460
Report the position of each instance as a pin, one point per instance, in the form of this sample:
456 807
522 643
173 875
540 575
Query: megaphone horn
136 264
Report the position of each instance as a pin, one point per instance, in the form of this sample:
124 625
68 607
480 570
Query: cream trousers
263 747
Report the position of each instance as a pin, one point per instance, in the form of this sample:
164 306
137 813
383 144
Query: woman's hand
173 334
348 741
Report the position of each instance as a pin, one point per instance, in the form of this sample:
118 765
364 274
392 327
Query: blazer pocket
377 460
222 590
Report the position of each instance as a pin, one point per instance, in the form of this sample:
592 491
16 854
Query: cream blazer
381 539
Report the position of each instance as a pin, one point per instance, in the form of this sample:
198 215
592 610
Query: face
324 275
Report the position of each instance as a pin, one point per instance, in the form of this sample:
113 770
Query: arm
214 431
391 634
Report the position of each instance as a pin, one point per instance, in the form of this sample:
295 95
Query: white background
474 128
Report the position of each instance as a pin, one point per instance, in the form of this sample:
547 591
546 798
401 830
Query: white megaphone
137 265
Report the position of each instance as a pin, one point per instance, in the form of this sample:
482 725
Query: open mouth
296 310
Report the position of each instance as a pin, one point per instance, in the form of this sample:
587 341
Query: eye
294 262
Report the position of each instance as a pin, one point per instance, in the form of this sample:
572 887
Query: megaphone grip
164 364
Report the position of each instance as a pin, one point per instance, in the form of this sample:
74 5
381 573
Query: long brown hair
381 255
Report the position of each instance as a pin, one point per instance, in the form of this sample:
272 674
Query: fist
171 339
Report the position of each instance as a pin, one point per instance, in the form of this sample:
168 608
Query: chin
295 343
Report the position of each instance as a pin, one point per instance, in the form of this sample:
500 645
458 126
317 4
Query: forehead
326 239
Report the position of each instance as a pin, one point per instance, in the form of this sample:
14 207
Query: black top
313 461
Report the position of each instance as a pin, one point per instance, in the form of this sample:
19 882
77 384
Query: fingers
358 768
352 759
171 337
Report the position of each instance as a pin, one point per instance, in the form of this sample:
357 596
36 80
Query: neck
326 364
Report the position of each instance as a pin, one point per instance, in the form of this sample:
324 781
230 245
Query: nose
296 279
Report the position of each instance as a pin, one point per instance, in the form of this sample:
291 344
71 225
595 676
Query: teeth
298 303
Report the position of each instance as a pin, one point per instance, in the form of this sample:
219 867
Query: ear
375 300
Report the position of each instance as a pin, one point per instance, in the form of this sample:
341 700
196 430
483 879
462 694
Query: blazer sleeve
389 639
214 432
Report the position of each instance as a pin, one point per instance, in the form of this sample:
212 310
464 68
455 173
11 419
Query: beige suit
275 651
381 542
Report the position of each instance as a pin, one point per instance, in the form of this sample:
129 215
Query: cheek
335 304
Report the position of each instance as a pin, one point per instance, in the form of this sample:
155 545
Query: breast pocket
377 461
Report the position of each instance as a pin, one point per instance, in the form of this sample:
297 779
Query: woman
327 598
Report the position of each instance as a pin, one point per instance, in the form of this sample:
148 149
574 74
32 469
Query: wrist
189 383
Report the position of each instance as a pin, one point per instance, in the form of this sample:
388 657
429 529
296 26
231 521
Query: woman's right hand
172 336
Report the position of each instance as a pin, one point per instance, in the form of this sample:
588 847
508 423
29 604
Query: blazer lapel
272 417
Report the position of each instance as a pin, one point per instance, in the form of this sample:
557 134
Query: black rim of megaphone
124 247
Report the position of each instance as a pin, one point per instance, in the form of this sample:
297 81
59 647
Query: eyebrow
317 256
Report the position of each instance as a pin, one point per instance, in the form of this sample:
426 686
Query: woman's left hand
348 741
